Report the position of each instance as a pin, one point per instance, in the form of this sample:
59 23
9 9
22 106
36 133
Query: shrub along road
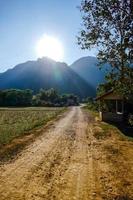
76 158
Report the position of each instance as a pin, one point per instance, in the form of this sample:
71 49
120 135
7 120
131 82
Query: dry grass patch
17 122
101 130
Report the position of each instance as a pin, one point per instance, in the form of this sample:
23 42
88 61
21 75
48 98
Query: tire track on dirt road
76 177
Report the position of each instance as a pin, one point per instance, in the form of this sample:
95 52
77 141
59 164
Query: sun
50 47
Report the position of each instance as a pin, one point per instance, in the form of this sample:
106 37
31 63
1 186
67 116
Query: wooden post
100 110
99 105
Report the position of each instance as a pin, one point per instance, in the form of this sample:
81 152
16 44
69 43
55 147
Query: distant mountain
87 68
46 73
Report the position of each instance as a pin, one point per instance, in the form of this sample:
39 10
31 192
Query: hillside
46 73
87 68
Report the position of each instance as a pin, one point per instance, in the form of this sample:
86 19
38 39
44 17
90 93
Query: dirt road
69 162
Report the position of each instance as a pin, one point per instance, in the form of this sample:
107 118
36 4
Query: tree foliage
108 26
103 88
15 97
52 98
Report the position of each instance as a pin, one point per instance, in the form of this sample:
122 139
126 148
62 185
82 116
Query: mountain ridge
88 69
81 77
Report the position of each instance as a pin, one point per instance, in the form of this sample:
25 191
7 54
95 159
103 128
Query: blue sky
24 22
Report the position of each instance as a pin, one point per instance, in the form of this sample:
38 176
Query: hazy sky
24 22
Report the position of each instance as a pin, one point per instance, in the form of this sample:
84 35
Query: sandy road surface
67 162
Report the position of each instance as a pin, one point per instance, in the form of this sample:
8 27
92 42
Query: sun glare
51 47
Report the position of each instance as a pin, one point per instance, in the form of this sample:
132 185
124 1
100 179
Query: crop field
15 122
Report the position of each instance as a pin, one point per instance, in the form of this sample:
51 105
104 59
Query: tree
15 97
46 96
103 88
43 95
52 95
108 25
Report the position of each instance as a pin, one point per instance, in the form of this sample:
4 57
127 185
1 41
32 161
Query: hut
111 106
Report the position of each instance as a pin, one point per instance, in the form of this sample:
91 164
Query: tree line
50 97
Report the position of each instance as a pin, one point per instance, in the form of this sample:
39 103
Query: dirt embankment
73 160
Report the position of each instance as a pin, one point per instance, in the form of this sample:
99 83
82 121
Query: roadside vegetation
91 106
17 122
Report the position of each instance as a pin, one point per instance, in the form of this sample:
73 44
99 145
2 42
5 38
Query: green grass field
15 122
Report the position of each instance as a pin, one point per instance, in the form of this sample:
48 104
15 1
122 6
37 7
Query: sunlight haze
51 47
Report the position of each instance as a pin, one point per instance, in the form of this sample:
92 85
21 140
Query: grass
102 131
106 127
15 122
91 111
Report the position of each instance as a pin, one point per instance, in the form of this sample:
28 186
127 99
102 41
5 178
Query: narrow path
65 163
